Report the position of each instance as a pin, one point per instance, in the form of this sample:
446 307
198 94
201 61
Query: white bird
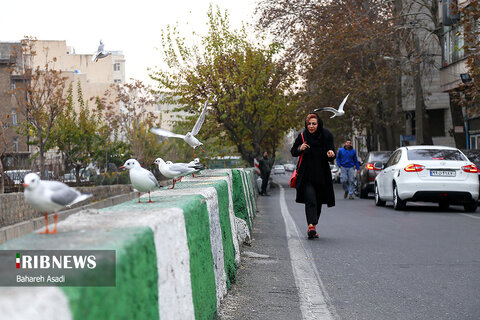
141 179
174 171
336 112
50 196
190 136
100 53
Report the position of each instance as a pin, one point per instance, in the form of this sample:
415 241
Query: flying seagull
50 196
336 112
100 53
141 179
190 136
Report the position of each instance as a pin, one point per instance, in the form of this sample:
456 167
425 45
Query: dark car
474 156
374 161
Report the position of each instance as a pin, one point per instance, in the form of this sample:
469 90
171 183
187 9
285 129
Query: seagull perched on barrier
100 53
175 171
190 136
141 179
50 196
336 112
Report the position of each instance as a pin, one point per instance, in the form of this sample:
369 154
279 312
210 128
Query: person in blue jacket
347 162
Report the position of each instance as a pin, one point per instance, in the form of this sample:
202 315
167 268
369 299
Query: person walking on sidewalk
265 169
346 161
314 179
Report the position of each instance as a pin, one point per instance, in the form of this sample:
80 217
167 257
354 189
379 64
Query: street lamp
465 77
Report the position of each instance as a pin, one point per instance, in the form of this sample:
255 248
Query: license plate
442 173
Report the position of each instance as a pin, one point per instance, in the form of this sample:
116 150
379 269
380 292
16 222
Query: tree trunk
2 187
457 121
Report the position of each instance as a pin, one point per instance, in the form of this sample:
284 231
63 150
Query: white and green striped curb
185 288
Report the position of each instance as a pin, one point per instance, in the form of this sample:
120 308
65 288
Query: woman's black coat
320 147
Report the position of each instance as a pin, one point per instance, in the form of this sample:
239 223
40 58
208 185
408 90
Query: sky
133 27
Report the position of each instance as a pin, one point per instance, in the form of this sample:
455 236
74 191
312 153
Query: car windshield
382 157
435 154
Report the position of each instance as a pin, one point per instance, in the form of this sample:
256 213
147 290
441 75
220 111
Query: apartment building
95 78
466 122
428 50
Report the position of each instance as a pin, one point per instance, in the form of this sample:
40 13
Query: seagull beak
25 185
122 167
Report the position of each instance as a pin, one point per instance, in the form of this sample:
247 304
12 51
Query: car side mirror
378 165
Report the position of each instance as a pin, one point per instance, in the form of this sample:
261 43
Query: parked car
374 161
428 173
278 169
335 172
474 156
289 167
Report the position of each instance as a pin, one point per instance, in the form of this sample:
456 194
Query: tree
470 21
130 118
40 97
343 53
252 101
77 134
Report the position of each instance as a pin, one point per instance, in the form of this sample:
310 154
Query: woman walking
314 181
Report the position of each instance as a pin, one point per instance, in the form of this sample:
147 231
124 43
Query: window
117 81
14 117
435 154
116 66
13 85
452 45
394 158
15 144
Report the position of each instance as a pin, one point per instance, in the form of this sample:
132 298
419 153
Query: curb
176 258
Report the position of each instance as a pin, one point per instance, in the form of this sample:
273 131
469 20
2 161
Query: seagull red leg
149 199
46 224
55 219
173 184
139 198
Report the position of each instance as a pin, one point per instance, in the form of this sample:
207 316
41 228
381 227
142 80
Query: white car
278 169
428 173
289 167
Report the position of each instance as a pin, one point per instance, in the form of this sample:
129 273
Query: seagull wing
100 47
152 177
327 109
340 108
200 119
181 169
166 133
62 194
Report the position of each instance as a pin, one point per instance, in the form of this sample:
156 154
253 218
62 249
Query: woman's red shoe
312 233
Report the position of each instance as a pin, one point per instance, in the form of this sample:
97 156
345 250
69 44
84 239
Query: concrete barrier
176 257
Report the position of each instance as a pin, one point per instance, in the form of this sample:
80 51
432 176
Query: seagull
142 179
190 136
50 196
100 53
336 112
174 171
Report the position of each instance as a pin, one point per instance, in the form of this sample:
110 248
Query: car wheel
444 205
378 201
398 204
363 192
471 206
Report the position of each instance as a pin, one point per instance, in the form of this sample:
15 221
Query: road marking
310 287
469 215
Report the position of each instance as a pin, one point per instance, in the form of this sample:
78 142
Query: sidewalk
265 286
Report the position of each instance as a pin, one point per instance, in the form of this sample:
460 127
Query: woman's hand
303 147
330 154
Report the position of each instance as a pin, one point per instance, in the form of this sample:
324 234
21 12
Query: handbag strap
301 156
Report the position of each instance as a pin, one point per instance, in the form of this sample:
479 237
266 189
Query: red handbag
293 178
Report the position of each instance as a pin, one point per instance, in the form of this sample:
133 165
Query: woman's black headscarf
314 139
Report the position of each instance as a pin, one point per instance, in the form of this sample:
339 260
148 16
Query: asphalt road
369 262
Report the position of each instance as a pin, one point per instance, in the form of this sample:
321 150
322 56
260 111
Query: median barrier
175 258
